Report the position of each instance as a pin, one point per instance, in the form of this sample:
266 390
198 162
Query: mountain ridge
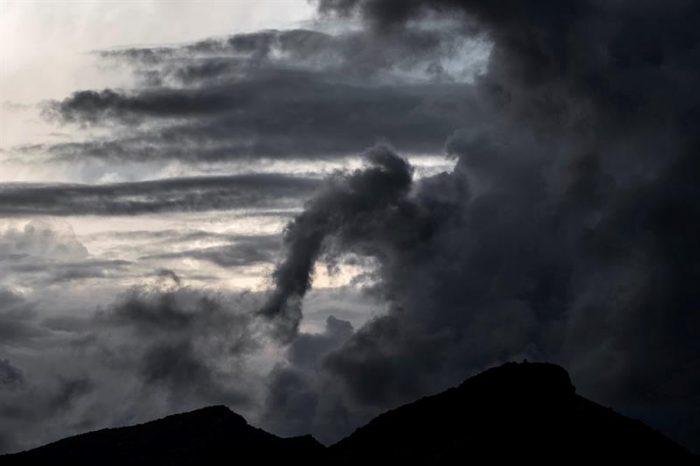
201 436
511 412
532 408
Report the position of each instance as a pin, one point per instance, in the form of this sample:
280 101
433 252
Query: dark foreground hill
516 412
209 436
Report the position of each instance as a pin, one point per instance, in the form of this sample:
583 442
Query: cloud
242 252
10 376
148 197
155 349
185 374
348 203
17 319
301 117
41 239
294 94
566 231
40 254
189 345
300 397
417 55
68 391
30 397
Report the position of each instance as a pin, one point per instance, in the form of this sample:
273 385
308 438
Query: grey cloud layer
38 238
413 55
165 195
289 116
146 353
241 251
278 94
40 256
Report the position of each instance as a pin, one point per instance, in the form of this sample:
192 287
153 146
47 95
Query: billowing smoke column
347 204
567 231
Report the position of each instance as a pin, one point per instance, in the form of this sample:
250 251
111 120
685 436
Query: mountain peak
524 379
214 411
513 412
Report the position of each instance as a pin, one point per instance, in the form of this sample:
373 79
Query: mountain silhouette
208 436
515 412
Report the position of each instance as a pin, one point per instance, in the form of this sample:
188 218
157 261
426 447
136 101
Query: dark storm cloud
346 203
566 232
92 106
580 65
165 195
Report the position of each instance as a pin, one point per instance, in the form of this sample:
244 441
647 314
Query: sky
312 212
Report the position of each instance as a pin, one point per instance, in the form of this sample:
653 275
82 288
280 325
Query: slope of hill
208 436
508 413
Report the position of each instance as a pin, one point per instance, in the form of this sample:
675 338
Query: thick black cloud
566 232
346 203
148 197
580 65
